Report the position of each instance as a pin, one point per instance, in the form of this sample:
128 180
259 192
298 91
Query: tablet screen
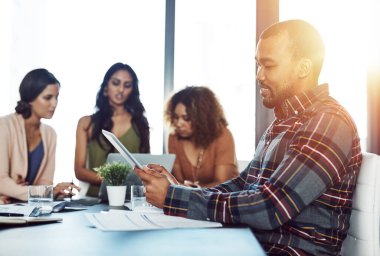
120 147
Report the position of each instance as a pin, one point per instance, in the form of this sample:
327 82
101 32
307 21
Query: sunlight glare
346 41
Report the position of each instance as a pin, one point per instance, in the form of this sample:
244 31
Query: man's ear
304 67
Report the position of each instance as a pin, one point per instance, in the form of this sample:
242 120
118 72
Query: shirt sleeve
8 185
4 159
317 157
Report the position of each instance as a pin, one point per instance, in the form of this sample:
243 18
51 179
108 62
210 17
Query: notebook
18 210
27 220
26 210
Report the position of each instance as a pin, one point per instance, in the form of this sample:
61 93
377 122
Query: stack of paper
140 220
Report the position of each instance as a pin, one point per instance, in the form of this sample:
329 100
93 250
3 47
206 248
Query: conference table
76 236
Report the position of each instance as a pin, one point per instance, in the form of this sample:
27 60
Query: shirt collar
297 104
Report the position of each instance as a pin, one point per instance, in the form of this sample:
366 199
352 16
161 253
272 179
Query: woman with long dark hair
118 109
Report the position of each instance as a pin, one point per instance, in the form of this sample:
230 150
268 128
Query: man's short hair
305 40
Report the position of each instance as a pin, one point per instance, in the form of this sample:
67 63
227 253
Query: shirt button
296 112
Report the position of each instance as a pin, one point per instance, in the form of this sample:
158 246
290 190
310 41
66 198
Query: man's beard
279 97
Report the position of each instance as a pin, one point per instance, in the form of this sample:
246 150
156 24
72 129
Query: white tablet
120 147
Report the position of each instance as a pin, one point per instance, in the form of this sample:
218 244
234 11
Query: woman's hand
21 181
65 189
5 200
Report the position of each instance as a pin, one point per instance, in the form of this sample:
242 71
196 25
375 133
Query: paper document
141 209
132 221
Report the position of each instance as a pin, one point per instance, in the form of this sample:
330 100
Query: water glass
138 198
40 195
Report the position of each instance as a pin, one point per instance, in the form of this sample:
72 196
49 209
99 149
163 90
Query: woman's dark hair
31 86
204 110
102 118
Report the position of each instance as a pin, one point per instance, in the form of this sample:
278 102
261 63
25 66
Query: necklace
198 166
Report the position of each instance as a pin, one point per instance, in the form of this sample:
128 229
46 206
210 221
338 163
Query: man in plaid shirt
296 192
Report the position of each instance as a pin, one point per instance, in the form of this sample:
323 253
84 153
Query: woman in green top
118 109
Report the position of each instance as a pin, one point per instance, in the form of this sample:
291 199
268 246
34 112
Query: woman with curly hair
204 146
118 109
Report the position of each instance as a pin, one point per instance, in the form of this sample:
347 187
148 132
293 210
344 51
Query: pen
8 214
71 189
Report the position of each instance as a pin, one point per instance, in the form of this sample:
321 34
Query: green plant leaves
114 174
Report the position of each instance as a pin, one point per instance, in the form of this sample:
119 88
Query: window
78 41
344 29
215 47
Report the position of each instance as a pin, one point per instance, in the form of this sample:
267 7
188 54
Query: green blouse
98 156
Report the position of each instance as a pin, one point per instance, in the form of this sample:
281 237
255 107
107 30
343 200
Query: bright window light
78 41
345 30
215 47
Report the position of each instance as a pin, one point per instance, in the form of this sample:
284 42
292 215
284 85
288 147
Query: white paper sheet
144 209
132 221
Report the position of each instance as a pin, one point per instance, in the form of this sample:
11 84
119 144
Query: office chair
242 164
363 234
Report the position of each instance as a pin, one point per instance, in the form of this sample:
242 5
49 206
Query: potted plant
115 175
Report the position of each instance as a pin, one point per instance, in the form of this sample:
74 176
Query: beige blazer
14 156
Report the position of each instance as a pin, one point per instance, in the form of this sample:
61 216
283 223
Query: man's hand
160 169
156 181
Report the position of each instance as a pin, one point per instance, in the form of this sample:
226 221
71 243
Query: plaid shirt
296 192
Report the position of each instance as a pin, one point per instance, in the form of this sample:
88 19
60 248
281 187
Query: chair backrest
363 234
242 164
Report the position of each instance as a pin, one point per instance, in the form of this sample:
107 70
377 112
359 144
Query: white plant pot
116 195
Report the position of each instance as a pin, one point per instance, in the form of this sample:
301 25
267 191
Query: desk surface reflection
75 235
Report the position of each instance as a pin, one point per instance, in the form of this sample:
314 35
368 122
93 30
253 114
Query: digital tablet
120 147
